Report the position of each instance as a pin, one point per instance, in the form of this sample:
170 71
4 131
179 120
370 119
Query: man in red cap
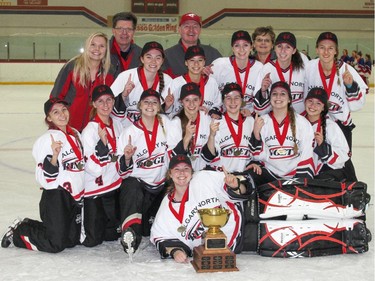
190 28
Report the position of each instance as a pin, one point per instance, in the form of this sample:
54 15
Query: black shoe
7 239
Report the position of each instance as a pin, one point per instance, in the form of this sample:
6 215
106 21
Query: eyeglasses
124 29
260 40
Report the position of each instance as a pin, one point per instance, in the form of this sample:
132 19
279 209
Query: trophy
214 254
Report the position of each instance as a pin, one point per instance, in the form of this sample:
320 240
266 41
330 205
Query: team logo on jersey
151 162
281 152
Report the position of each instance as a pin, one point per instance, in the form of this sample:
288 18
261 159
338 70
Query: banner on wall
157 24
32 2
155 6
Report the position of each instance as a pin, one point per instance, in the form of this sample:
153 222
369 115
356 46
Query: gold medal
193 157
148 163
114 158
237 152
80 166
281 151
181 229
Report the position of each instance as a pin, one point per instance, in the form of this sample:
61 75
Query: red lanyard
125 63
111 138
142 78
180 214
281 75
280 137
202 83
194 142
236 137
328 88
74 144
150 141
237 73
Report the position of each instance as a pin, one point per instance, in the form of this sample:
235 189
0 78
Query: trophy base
213 260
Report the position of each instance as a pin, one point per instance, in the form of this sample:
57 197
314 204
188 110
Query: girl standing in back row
345 88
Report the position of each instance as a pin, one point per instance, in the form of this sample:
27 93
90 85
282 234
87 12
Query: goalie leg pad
310 238
304 198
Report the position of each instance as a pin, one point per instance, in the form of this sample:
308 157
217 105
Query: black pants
139 205
349 167
101 218
60 227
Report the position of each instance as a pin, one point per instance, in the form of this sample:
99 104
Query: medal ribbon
236 137
280 137
201 84
238 78
150 141
319 127
281 75
74 144
125 63
111 140
195 137
180 214
328 88
143 80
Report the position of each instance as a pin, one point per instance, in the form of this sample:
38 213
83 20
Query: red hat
191 16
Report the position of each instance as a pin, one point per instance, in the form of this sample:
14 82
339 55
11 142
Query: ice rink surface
22 121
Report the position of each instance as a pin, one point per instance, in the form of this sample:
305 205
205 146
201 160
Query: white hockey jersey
234 158
131 101
199 140
101 174
280 159
211 95
297 85
341 101
150 168
69 174
337 147
213 195
224 73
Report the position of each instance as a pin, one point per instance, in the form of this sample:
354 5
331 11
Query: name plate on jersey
214 255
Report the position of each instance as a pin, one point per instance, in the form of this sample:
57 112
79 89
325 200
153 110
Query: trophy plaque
214 255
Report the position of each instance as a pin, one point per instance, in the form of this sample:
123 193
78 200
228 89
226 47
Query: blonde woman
80 75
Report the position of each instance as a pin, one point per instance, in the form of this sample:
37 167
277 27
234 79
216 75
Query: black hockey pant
60 227
139 205
101 219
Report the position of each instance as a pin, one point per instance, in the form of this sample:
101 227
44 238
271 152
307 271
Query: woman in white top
102 181
132 82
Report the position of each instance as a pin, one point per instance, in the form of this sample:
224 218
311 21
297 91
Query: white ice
21 122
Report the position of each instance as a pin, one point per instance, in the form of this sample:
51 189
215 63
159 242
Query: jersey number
99 180
67 185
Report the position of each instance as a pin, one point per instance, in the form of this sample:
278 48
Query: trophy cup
214 255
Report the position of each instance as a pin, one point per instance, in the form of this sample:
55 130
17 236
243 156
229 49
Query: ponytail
292 120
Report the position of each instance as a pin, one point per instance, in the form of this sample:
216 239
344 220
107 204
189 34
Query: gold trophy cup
214 254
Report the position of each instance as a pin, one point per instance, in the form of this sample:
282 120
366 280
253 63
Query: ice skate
7 239
128 242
